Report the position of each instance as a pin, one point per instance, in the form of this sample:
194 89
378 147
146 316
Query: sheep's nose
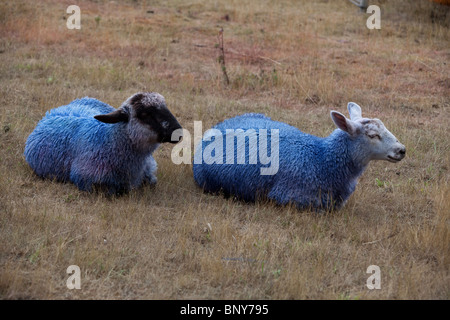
179 134
402 150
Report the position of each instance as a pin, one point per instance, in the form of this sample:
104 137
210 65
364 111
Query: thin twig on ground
222 57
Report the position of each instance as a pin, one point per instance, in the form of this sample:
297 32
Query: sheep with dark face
93 144
312 172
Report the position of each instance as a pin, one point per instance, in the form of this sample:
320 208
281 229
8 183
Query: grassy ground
292 60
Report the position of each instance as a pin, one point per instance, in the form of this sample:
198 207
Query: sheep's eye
144 114
373 136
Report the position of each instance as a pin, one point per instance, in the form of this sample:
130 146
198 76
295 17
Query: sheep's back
48 149
245 180
81 108
65 133
254 121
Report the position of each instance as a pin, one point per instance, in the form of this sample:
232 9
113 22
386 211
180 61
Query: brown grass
292 60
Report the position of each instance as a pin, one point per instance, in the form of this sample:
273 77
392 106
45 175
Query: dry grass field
291 60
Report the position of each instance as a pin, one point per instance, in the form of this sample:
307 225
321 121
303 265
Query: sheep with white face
314 172
380 143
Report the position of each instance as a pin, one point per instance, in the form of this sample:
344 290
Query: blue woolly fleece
314 172
68 144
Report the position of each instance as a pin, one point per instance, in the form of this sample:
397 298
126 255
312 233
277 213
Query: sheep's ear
113 117
354 110
344 124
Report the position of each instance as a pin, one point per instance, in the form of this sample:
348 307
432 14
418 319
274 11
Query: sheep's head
148 117
378 141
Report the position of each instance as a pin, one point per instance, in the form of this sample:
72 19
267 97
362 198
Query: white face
383 144
378 142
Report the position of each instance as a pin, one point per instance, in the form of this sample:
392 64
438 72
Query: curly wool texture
69 144
313 172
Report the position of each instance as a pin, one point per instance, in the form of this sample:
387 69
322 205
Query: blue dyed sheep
311 172
93 144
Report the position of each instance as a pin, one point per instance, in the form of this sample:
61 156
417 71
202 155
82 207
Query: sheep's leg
321 201
78 174
150 170
81 183
284 194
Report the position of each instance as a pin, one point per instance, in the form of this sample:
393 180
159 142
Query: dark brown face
151 110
